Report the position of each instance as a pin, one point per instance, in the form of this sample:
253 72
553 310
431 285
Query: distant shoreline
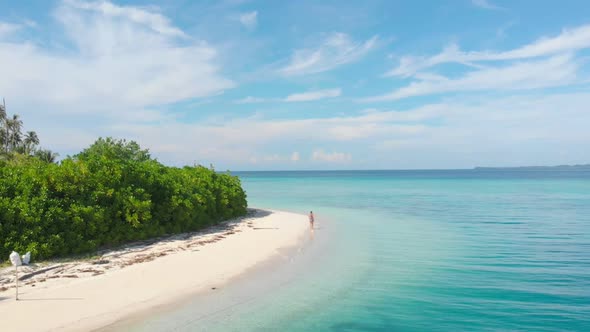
88 295
556 167
535 168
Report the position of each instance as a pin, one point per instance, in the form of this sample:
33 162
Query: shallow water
414 251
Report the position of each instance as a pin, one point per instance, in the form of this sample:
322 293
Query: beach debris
26 258
15 259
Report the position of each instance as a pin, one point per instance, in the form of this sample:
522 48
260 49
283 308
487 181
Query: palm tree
3 126
2 113
12 141
46 155
3 138
30 142
13 131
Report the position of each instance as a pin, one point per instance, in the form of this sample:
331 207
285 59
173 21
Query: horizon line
415 169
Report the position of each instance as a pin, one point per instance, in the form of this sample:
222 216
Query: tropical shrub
111 193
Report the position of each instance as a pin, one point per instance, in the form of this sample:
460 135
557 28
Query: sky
303 85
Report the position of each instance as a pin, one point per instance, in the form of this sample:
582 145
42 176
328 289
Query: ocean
451 250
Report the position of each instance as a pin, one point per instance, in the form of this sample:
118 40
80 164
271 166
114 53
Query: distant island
539 168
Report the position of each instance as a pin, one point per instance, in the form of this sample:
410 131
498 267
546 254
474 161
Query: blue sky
256 85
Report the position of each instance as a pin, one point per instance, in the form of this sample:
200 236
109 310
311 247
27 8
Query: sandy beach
89 294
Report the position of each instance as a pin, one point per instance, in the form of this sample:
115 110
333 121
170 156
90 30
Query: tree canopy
110 193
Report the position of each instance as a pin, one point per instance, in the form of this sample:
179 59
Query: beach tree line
14 144
111 193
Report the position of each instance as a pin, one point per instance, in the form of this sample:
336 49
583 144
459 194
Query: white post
16 261
16 271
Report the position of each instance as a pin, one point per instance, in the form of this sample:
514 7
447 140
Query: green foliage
110 193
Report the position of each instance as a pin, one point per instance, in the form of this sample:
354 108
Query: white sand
81 296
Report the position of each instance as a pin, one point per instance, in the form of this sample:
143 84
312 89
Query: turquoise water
415 251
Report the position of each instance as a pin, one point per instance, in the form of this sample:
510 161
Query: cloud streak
314 95
547 62
155 21
485 4
334 51
569 40
554 71
295 97
8 28
249 20
331 157
250 100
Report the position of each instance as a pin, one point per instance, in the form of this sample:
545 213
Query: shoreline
265 281
180 267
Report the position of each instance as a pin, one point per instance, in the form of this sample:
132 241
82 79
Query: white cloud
8 28
336 50
276 158
122 60
333 157
155 21
461 132
242 139
546 62
535 129
250 100
554 71
30 23
249 20
568 40
352 132
314 95
296 97
273 158
485 4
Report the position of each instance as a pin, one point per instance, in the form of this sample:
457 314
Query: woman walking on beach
311 219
